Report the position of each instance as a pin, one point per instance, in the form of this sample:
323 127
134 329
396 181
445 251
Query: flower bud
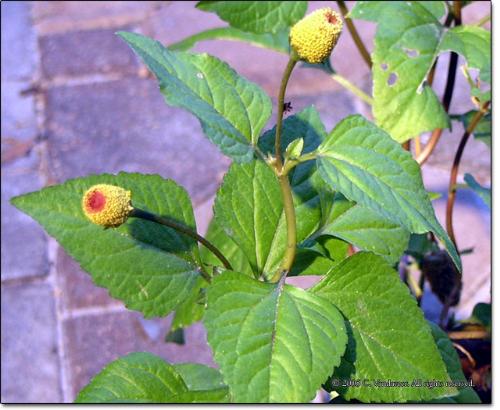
314 37
107 205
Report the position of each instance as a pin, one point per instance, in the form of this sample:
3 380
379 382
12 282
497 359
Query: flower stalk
286 190
139 213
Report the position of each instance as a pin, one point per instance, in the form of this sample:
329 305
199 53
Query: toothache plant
296 201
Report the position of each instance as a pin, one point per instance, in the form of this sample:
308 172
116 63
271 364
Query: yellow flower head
107 205
314 37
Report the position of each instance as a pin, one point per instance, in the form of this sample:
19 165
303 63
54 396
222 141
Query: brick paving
95 111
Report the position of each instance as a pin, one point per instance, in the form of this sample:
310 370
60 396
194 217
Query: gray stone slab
60 16
93 341
18 41
30 366
126 125
24 248
77 288
18 112
85 52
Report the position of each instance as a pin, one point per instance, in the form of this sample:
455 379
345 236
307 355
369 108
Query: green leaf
257 16
434 195
248 207
408 40
369 231
191 309
275 41
389 338
233 253
306 184
231 110
274 343
325 66
136 377
484 193
454 368
294 149
150 267
146 378
363 227
421 245
472 42
319 257
481 96
406 44
481 314
175 336
307 125
362 162
482 132
199 377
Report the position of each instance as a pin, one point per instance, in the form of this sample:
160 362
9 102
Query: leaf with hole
257 16
406 43
408 40
274 343
150 267
231 109
474 43
389 338
367 166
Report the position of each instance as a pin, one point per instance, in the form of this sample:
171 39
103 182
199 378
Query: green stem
286 190
483 20
139 213
454 171
292 163
344 82
354 34
281 102
291 228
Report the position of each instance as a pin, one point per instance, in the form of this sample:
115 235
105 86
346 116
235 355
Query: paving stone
86 52
18 112
77 288
91 342
126 125
61 16
24 251
18 42
30 366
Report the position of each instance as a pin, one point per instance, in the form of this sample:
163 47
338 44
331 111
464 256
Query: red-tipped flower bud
107 205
